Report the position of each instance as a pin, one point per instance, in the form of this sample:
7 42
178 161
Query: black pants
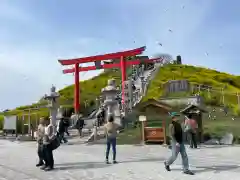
66 131
40 153
62 138
192 139
48 155
80 132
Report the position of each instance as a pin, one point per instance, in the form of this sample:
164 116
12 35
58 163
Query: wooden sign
142 118
155 134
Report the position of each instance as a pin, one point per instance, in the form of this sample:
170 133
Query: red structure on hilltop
97 60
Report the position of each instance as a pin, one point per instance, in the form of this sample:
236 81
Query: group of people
176 130
45 138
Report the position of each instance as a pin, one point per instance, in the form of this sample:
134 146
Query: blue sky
35 34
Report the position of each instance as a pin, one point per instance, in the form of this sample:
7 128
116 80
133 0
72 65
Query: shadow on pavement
144 160
93 165
215 146
215 168
81 165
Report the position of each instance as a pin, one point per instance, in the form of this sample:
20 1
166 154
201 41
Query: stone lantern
111 103
53 104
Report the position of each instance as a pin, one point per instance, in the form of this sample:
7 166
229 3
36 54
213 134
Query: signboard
142 118
10 123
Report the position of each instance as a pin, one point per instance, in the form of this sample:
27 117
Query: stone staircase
141 84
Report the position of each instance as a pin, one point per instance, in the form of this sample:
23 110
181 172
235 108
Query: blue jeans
111 142
175 151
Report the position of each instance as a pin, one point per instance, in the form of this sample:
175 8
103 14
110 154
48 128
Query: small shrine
196 112
153 107
156 113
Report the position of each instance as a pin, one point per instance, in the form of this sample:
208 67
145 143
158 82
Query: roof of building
154 102
193 109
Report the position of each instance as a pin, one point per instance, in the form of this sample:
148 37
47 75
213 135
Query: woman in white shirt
40 135
47 149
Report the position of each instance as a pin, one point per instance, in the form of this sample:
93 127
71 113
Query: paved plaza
85 162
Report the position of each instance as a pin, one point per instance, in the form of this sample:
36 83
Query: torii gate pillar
76 89
123 68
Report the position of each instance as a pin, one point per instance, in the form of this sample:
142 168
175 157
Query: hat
173 114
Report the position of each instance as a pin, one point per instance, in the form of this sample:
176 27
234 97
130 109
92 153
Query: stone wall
179 101
176 86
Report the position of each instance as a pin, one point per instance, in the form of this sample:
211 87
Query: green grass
130 136
197 75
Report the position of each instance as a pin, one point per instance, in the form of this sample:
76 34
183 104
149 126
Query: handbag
55 143
187 128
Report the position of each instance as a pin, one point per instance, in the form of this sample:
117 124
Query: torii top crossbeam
116 55
97 59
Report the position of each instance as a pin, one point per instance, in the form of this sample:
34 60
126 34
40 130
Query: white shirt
47 130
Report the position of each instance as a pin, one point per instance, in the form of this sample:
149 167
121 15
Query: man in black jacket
176 134
61 130
80 124
66 125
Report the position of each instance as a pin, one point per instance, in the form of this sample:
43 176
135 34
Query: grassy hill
197 75
90 89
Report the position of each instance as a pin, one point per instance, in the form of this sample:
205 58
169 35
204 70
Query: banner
10 123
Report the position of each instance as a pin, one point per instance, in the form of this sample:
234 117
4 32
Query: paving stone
80 161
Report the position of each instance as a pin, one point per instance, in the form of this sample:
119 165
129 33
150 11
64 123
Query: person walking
47 149
79 126
66 125
61 130
40 135
110 130
191 127
177 145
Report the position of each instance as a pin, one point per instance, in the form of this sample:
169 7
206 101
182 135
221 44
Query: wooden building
156 113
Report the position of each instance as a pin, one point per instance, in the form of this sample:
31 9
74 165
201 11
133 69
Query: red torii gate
97 60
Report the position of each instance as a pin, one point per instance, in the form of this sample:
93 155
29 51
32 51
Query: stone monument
112 106
53 104
177 86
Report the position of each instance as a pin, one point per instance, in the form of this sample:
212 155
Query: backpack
189 126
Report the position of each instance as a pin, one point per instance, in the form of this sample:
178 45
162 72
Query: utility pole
192 88
209 93
238 98
223 99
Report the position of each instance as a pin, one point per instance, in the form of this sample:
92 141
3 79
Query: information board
10 123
